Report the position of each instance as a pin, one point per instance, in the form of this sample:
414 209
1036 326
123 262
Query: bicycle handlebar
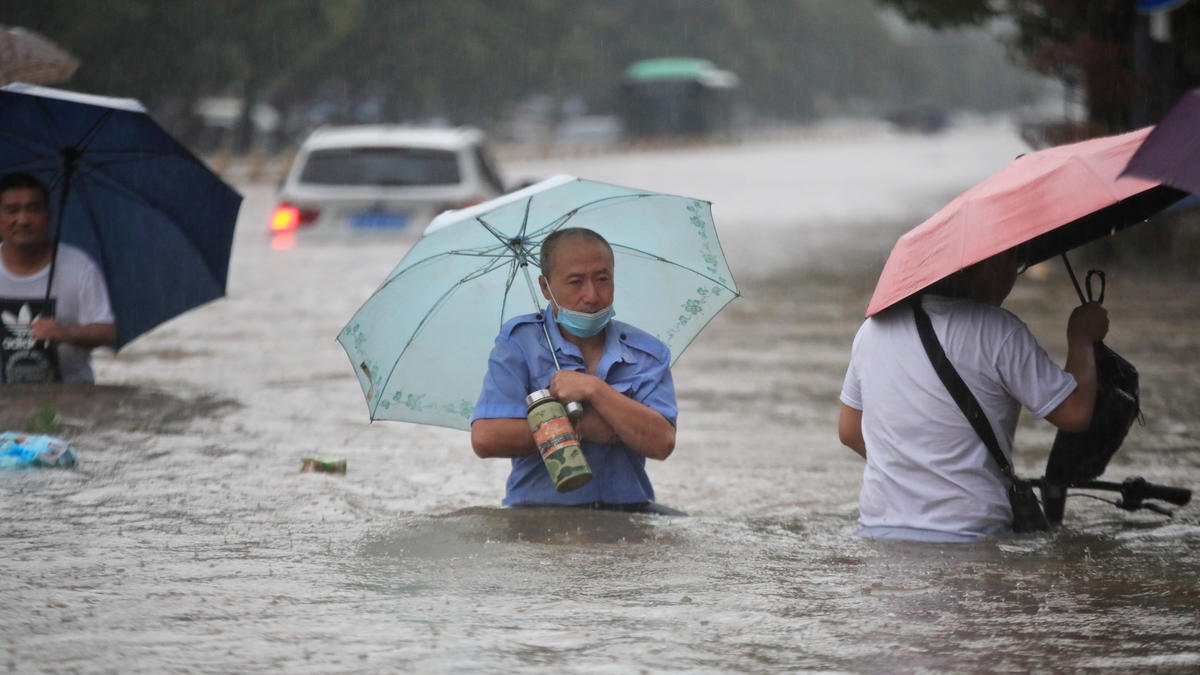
1134 490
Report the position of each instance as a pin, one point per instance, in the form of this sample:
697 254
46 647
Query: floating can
557 441
322 465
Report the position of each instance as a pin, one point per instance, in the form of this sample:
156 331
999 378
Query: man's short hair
20 180
550 243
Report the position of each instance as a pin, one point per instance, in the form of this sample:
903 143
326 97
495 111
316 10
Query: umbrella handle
1088 283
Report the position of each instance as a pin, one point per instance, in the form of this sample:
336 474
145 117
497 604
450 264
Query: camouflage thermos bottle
557 441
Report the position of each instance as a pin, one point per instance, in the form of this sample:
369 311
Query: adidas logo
20 324
19 328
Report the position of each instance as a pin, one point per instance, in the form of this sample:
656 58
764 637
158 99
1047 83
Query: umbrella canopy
26 56
155 219
1051 200
1171 153
420 343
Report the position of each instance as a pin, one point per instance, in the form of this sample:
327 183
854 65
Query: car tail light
286 218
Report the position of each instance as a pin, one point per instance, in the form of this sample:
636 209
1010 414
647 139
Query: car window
488 170
381 166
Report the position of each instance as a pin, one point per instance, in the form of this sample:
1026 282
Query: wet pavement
188 540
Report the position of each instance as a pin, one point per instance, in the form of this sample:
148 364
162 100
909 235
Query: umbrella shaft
537 306
68 171
1071 273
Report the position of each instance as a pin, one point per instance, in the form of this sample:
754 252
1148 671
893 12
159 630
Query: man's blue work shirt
634 363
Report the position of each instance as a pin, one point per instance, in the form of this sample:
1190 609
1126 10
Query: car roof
392 135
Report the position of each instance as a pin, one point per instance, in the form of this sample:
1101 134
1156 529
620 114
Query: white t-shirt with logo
927 469
80 295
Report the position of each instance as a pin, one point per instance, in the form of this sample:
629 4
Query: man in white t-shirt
40 340
928 475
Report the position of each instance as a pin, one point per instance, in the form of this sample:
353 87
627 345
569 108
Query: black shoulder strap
958 389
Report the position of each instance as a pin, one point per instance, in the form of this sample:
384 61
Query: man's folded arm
641 428
501 437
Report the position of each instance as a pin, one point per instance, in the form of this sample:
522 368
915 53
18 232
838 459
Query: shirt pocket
625 386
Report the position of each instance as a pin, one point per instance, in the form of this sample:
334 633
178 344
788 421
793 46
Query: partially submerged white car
384 178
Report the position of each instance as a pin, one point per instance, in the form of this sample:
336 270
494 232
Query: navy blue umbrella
156 220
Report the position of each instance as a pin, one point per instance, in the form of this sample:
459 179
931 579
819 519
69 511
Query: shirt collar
616 343
560 343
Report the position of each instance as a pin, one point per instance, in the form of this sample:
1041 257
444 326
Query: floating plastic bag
23 451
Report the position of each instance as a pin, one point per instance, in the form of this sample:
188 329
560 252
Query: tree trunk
1108 73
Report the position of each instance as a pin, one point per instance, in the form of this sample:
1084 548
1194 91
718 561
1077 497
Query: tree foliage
471 60
1101 46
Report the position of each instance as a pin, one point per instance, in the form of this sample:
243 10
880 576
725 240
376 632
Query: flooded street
188 541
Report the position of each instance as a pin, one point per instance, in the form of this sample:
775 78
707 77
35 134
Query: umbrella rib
514 244
124 151
525 218
492 230
98 169
475 274
482 254
34 164
87 135
47 115
95 129
125 157
86 199
1099 179
420 263
680 266
555 224
483 271
491 251
53 129
512 274
562 219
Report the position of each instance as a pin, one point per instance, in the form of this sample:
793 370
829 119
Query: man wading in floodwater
929 476
46 340
621 375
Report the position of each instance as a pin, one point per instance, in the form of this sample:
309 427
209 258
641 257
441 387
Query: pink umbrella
1052 200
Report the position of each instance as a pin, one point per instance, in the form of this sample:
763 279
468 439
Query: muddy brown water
188 540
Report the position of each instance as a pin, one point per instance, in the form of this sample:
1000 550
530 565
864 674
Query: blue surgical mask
583 324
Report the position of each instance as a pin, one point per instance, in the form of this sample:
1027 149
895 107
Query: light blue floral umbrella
420 343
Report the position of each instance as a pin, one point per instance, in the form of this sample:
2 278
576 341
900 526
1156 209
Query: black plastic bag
1084 455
